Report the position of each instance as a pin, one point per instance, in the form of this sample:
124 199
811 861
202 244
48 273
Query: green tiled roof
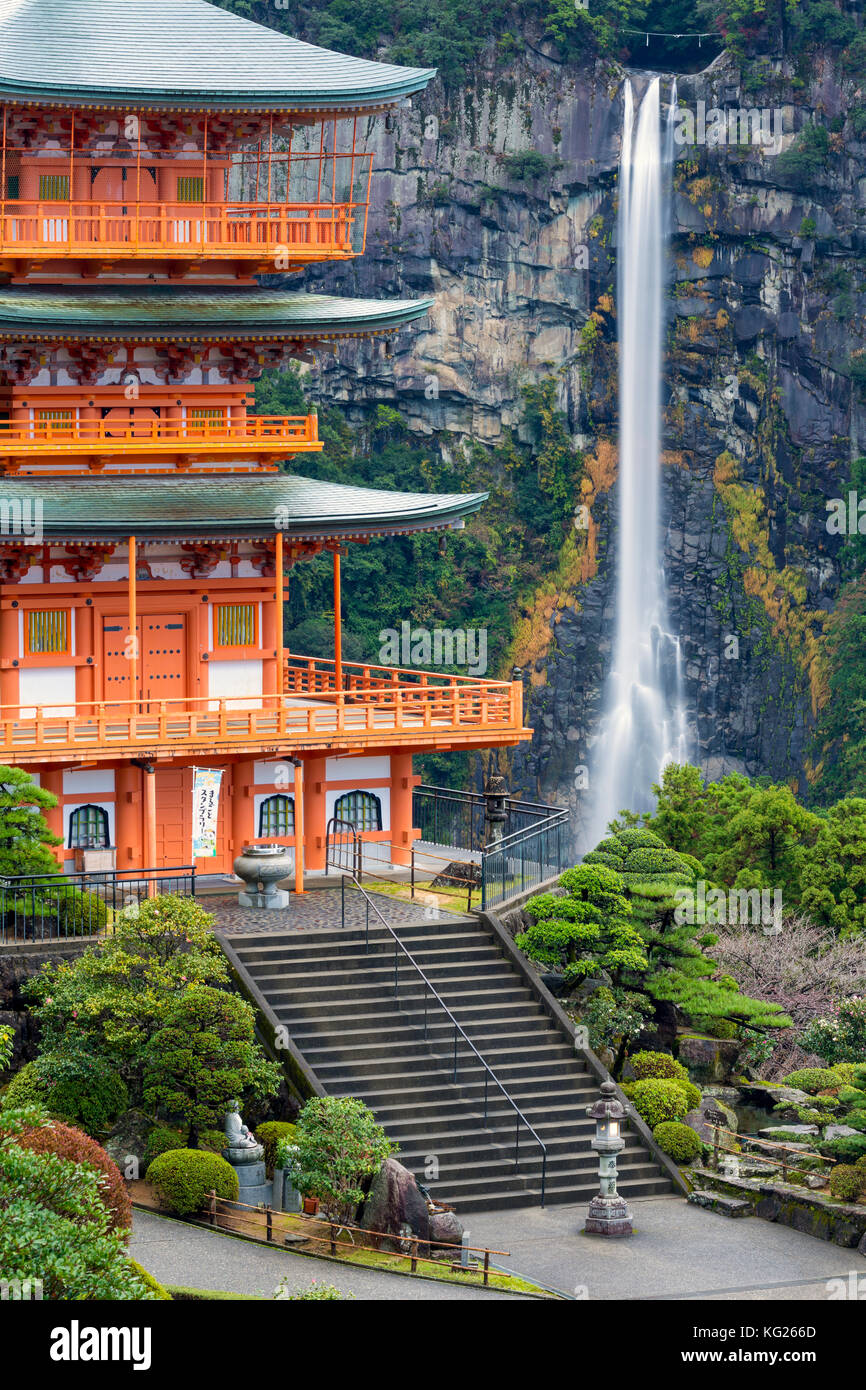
177 313
186 51
230 505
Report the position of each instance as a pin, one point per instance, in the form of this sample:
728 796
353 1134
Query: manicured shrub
25 1088
657 1100
846 1183
845 1072
861 1161
78 1147
269 1135
152 1285
183 1178
847 1148
678 1141
813 1079
75 913
692 1093
82 1087
657 1064
163 1140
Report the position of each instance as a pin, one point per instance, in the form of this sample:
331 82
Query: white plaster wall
278 774
358 769
47 685
235 680
89 783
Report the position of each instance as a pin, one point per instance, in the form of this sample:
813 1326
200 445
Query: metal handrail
489 1074
557 817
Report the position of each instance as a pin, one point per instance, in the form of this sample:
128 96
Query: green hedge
657 1100
814 1079
680 1142
183 1178
657 1065
846 1183
269 1135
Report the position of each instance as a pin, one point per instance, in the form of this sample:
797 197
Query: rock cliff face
761 419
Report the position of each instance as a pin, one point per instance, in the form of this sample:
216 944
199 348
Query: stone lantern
608 1212
495 809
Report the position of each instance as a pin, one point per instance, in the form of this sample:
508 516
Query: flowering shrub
842 1036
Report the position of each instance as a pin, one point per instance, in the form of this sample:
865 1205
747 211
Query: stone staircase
337 1001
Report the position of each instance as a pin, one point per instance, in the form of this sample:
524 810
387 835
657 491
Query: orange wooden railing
131 432
305 230
426 707
317 676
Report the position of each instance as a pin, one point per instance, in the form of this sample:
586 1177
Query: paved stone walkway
176 1253
678 1251
319 911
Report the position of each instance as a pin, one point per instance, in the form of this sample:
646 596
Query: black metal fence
51 907
535 845
525 859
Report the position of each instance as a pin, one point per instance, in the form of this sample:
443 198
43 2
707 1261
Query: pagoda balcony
79 445
325 706
260 235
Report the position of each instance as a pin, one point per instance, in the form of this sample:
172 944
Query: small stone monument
247 1157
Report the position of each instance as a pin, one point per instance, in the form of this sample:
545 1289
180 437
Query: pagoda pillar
269 644
402 783
9 645
127 815
315 814
243 824
149 822
52 781
85 676
299 825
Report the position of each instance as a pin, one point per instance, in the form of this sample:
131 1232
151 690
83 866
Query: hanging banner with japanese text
205 811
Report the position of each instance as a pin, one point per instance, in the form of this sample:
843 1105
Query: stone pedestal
253 1185
286 1195
608 1216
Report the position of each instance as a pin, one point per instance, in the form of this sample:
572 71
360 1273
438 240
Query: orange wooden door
173 817
163 657
174 822
116 653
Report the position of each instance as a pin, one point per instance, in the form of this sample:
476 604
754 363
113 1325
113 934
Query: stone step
718 1202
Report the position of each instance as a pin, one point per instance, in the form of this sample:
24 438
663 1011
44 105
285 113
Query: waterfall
643 724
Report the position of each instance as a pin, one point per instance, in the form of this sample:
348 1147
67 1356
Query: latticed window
208 419
88 828
50 421
190 190
361 809
47 631
54 188
277 816
236 625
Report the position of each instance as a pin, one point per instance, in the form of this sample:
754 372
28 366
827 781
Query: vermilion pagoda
158 155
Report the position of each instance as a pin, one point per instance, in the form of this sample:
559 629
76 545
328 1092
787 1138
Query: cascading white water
643 725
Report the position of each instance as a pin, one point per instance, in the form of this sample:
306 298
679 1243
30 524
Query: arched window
88 828
362 809
277 816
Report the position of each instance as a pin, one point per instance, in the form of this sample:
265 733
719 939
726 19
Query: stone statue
241 1144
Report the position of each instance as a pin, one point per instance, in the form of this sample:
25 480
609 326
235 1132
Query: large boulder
447 1229
710 1061
395 1207
703 1121
126 1142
